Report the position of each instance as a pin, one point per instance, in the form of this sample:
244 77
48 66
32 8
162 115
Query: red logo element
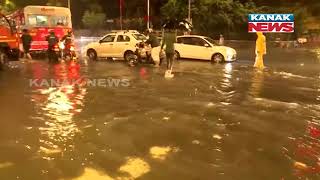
286 27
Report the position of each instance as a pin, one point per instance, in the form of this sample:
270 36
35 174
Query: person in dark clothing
67 38
152 40
52 41
26 40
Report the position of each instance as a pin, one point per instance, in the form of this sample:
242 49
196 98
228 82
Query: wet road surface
211 121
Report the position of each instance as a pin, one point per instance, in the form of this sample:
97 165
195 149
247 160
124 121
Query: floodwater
211 121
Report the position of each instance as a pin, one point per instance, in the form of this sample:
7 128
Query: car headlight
231 54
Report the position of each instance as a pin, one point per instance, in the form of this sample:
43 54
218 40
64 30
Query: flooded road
211 121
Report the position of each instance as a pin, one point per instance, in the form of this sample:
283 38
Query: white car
200 47
120 44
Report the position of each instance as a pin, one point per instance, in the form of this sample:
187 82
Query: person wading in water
169 39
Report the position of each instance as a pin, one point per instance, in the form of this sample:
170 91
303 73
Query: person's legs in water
29 55
259 61
169 58
27 52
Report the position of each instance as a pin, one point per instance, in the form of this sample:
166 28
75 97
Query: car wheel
92 54
217 58
128 55
15 55
177 55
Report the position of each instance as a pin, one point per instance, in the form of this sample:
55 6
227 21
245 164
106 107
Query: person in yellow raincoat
261 50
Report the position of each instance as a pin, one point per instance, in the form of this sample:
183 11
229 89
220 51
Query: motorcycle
142 55
67 51
53 53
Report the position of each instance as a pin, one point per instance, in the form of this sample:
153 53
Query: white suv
119 44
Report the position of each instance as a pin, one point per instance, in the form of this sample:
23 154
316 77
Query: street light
121 2
189 11
148 17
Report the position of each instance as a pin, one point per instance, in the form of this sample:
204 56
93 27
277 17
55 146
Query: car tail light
56 47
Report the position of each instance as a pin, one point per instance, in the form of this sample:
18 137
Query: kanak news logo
271 23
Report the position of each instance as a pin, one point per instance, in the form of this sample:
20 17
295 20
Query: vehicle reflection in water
305 157
57 106
226 82
225 86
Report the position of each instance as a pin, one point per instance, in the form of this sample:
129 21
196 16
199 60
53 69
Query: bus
40 21
9 41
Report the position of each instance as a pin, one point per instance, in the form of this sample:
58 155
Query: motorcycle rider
67 40
153 41
52 41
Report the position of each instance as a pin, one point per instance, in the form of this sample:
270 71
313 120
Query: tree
93 20
56 3
7 6
175 9
93 17
213 17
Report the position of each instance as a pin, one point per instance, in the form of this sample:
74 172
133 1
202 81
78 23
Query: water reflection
57 107
227 76
135 167
257 83
161 153
317 52
226 87
90 173
306 156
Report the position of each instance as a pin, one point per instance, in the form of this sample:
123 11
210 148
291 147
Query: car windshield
139 37
210 40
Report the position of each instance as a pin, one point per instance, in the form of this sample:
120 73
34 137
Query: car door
183 46
200 49
122 44
106 46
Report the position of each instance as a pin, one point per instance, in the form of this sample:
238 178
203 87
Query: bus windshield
47 21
